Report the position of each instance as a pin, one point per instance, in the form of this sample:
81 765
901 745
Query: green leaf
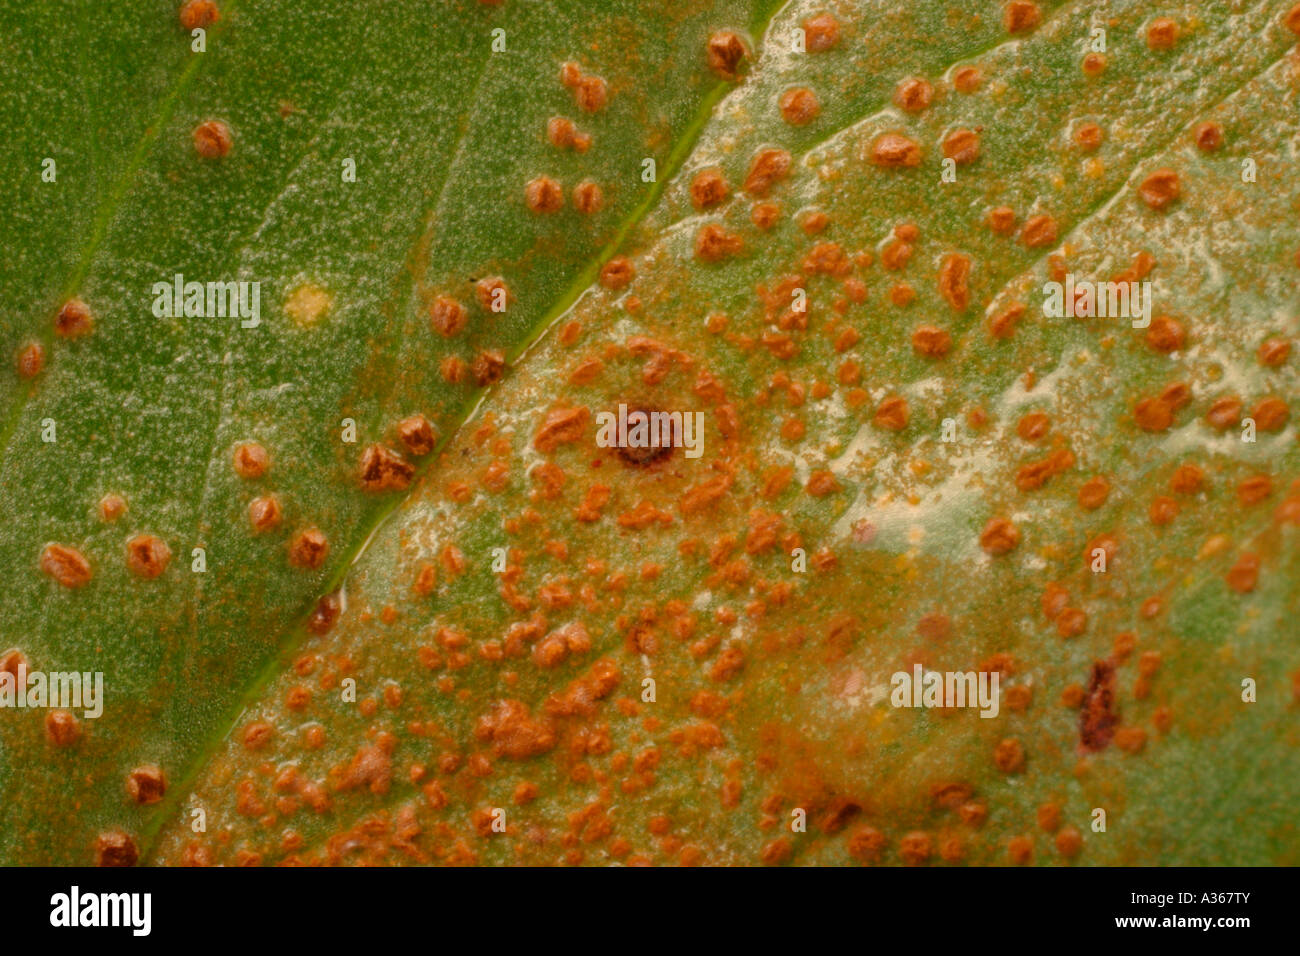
519 696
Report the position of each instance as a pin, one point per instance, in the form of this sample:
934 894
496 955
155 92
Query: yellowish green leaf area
538 650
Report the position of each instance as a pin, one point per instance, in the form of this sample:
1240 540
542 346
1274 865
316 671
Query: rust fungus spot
913 94
768 167
561 132
515 733
962 146
1002 220
115 848
1187 480
308 549
1020 16
493 294
1088 136
617 274
1071 622
895 151
1094 492
1271 414
264 513
147 555
68 566
1162 34
447 316
1244 575
197 14
544 195
1273 352
1021 850
591 93
257 735
146 785
488 367
1039 231
383 469
1208 136
1162 510
1069 842
1003 325
765 215
839 814
1094 64
951 794
30 360
967 79
648 456
916 848
325 613
822 483
892 413
931 342
954 274
714 243
726 51
562 426
1033 426
212 139
1160 188
1166 334
588 197
251 460
1009 755
74 320
1098 716
867 844
708 188
1224 412
416 433
62 729
799 106
111 507
821 33
1292 19
999 536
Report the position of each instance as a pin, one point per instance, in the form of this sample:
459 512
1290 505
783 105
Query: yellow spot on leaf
307 304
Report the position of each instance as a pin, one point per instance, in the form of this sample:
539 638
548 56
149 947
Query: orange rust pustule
644 457
66 565
198 14
147 555
74 320
308 549
725 52
30 360
1098 716
115 848
146 785
212 140
416 433
383 469
325 613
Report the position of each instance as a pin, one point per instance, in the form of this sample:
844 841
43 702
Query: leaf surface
516 696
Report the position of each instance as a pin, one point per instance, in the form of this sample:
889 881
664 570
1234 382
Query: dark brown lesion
838 814
383 469
649 456
325 613
1098 717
